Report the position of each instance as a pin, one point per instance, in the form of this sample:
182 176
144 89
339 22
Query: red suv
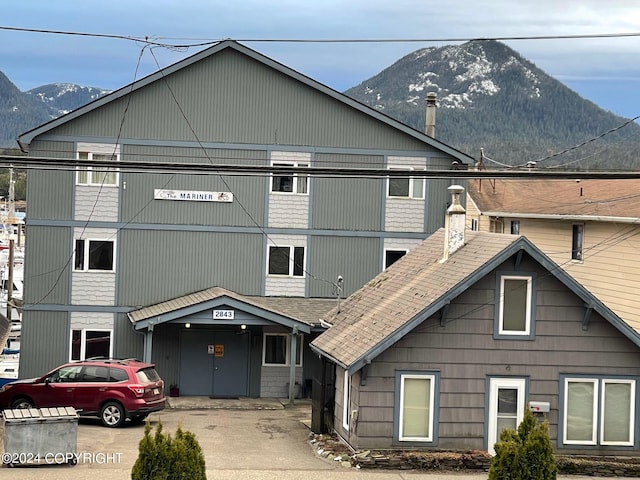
110 389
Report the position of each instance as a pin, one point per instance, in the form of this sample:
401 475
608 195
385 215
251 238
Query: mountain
21 111
490 97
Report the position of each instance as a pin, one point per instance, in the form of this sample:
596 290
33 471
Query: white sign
192 195
225 314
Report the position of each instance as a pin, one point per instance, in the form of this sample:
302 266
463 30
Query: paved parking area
245 439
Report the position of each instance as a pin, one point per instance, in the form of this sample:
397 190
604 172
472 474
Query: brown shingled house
450 344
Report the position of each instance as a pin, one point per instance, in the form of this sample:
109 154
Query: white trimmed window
392 256
276 349
97 175
515 304
87 343
293 183
94 255
417 407
287 261
346 400
599 411
406 187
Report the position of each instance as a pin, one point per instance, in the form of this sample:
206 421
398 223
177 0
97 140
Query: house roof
26 138
418 285
604 200
289 311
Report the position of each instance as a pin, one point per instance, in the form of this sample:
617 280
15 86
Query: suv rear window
147 375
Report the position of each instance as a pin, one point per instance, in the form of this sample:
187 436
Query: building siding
465 353
50 332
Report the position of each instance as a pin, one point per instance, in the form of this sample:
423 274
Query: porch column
148 344
292 364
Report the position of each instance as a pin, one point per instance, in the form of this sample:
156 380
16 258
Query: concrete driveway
241 439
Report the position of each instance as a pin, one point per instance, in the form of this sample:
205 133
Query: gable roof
300 312
605 200
418 285
26 138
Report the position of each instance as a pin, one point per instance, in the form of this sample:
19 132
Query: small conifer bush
162 457
525 454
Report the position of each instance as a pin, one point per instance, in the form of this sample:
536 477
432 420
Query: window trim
111 150
346 400
87 242
287 354
292 265
294 176
398 435
411 182
83 342
529 332
597 436
387 250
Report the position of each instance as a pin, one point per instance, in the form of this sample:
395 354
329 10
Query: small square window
392 256
406 187
92 255
277 347
295 183
97 174
287 261
90 344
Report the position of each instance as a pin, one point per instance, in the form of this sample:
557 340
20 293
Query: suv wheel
112 414
22 402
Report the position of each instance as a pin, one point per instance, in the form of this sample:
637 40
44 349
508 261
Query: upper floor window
94 255
98 175
292 183
598 411
392 256
515 227
277 349
288 261
406 187
514 307
576 241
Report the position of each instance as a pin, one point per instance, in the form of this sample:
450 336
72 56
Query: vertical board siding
48 265
50 332
50 192
247 208
347 203
127 343
465 352
156 266
355 258
232 98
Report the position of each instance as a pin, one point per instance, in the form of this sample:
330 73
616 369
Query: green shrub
162 457
526 454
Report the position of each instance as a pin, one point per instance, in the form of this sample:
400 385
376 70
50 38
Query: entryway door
214 363
506 407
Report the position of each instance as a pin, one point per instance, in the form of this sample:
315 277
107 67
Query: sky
605 70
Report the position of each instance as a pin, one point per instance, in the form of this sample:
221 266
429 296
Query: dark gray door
214 363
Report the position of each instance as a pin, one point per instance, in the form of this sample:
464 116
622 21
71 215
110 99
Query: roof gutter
546 216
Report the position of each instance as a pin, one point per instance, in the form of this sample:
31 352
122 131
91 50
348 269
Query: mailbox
539 407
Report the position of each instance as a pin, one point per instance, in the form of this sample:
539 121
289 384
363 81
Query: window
417 406
94 175
292 183
346 400
90 344
576 242
94 255
514 306
515 227
288 261
598 411
277 347
474 224
392 256
70 373
95 373
406 187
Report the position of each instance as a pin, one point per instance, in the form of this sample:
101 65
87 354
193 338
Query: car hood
24 380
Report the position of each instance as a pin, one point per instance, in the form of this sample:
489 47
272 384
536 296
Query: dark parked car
110 389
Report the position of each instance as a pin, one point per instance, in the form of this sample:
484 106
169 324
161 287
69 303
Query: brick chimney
454 223
430 124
